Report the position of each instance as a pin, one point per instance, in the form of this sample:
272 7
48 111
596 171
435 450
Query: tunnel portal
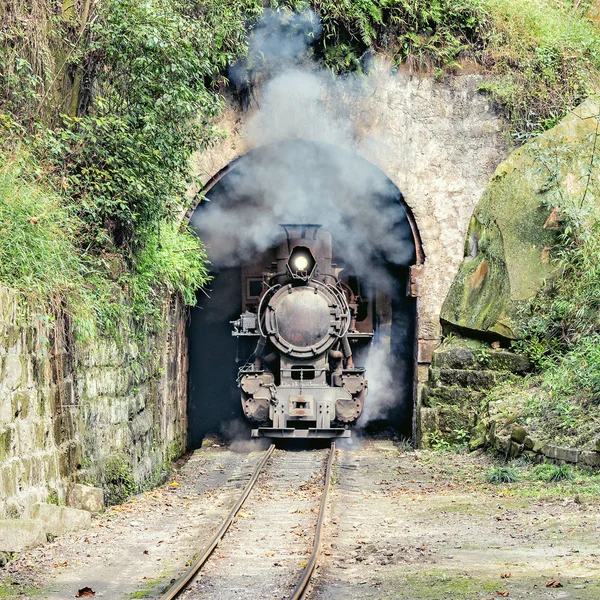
374 244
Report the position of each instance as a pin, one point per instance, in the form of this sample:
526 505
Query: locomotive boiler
302 323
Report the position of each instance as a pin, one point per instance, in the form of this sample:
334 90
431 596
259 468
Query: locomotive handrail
181 583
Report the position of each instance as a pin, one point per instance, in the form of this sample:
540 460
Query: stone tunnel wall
108 414
439 141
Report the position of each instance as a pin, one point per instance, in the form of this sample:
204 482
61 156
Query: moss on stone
118 480
506 258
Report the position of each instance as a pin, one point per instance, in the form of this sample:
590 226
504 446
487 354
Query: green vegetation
501 475
118 481
561 333
550 472
110 99
542 56
95 200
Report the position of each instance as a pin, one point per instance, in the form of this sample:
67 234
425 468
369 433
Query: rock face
459 377
506 255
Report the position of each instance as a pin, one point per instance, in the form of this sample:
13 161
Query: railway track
293 475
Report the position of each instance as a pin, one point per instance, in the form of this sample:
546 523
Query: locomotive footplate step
290 432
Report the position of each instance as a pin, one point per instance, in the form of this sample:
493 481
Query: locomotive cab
300 380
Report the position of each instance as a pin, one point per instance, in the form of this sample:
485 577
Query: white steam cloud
302 173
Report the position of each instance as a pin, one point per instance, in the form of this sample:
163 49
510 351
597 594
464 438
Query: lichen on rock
507 259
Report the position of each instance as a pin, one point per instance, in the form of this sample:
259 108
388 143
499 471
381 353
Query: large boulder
506 257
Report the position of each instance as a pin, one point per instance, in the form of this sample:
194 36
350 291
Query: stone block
425 349
463 357
85 497
570 455
22 402
467 378
6 414
13 371
589 459
19 535
518 434
58 520
429 424
451 396
422 373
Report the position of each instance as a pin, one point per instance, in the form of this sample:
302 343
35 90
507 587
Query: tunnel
375 242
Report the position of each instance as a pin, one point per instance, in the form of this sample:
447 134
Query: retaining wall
106 413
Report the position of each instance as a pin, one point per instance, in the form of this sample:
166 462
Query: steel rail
182 582
300 589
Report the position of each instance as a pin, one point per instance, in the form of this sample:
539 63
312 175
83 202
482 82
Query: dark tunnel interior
214 398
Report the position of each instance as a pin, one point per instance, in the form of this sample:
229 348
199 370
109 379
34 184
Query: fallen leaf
174 484
554 584
503 593
505 575
223 555
85 592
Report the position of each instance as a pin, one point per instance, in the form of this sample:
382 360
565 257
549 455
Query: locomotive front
301 380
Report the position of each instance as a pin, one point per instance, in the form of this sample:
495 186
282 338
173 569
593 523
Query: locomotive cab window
254 287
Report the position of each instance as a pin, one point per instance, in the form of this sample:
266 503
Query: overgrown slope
102 104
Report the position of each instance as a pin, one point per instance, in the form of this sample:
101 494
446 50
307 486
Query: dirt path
402 525
133 550
424 526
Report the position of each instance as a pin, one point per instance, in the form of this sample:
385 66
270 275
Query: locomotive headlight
301 263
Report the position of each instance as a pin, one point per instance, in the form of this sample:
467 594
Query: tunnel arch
235 163
201 397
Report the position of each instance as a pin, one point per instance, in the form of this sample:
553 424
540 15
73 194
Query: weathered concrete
58 520
18 535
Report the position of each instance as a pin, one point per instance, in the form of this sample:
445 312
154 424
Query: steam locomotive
304 320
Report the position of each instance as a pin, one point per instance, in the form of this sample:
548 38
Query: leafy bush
501 475
126 155
41 258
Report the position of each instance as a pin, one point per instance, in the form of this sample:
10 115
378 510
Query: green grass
43 258
551 472
38 236
501 475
